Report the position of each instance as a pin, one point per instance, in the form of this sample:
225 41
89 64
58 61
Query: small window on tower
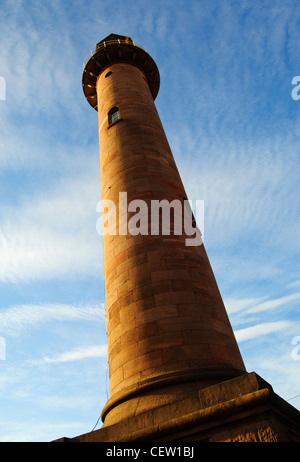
114 115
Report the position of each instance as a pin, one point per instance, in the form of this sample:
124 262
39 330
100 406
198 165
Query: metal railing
106 43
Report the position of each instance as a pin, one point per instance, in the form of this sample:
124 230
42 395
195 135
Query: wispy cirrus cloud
276 303
17 319
260 304
77 354
242 195
259 330
254 318
234 305
51 235
23 62
294 283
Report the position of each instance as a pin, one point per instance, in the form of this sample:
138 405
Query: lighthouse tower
166 322
175 369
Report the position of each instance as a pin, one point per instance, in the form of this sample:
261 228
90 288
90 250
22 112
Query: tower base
243 409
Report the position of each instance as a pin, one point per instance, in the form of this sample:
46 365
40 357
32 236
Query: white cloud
276 303
273 360
76 355
294 284
234 305
242 194
35 72
16 319
260 330
52 234
37 430
245 306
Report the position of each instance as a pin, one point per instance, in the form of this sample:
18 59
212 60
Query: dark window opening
108 74
114 115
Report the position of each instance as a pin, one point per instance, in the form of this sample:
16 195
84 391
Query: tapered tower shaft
167 326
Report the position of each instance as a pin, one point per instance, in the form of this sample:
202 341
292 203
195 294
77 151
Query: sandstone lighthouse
175 369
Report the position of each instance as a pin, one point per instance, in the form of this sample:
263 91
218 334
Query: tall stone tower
175 369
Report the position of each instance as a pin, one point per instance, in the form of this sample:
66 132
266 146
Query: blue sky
225 102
